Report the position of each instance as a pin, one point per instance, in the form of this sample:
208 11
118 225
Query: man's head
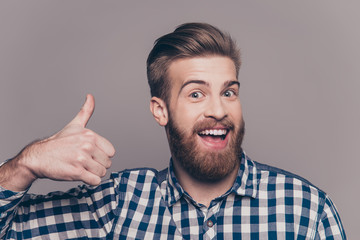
198 99
187 41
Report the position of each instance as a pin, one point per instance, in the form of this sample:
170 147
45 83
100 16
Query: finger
90 178
95 168
105 145
83 116
99 156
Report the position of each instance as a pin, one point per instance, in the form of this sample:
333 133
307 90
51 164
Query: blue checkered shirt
263 203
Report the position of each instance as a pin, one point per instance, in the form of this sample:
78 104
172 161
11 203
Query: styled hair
187 41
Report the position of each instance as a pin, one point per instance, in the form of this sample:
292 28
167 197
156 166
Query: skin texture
204 94
74 154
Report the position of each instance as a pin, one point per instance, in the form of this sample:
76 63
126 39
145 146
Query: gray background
299 81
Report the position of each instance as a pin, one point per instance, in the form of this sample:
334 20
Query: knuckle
88 146
80 159
86 136
89 134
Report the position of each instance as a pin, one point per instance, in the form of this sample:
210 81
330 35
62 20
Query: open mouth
213 135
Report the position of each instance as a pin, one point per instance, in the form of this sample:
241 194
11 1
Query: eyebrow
202 82
230 83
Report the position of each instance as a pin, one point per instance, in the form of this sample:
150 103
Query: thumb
86 111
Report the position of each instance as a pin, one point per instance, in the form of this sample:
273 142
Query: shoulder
140 174
274 171
138 178
290 193
133 186
282 182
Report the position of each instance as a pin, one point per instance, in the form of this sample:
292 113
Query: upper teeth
215 132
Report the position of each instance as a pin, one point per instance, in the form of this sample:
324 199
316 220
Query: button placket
210 228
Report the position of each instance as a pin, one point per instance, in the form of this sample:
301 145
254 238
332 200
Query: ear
159 110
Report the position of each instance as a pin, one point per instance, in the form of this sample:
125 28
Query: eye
229 93
196 95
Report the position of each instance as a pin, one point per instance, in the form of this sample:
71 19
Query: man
211 189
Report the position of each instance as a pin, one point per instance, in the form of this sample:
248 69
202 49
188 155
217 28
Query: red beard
210 166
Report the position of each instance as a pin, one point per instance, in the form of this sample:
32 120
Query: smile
214 139
215 133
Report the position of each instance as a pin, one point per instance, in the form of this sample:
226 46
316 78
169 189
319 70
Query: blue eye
196 95
229 93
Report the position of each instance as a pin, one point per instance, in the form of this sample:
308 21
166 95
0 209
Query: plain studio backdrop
299 81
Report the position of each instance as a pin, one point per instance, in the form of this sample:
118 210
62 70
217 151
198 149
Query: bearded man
211 189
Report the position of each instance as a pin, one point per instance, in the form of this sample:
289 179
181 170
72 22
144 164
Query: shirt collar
173 189
245 183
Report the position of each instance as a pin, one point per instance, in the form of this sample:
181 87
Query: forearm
15 175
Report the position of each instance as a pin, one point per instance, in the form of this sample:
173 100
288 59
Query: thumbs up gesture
74 153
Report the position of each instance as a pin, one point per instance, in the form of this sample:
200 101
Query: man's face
205 127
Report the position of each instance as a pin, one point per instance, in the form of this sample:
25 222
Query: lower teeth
214 136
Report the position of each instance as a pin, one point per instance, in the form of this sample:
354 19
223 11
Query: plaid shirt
264 203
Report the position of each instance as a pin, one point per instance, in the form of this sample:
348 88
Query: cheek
186 116
236 112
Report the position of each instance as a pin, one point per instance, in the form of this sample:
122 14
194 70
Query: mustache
210 123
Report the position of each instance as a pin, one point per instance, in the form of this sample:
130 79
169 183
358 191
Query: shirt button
209 223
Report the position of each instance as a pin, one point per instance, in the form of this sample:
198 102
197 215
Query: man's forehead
202 70
199 60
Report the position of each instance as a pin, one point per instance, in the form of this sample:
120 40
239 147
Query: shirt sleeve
78 213
330 226
9 200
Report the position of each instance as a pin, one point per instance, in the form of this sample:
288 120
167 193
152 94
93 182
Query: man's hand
74 153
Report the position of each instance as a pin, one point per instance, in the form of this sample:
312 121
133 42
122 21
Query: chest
233 218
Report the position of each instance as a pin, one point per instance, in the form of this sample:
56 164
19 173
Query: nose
216 109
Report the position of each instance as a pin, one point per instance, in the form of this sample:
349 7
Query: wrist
16 174
23 163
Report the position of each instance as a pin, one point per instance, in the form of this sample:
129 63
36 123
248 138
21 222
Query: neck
204 191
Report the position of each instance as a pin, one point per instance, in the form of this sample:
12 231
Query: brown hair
188 40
